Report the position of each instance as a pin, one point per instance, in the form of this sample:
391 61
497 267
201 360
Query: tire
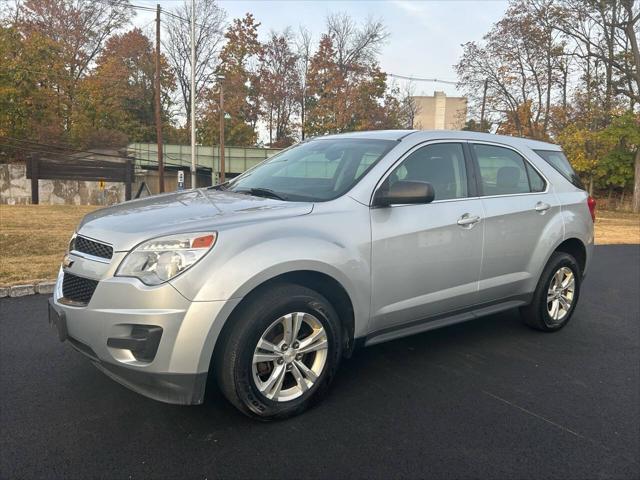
541 313
263 316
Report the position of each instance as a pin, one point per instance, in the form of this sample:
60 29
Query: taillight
591 202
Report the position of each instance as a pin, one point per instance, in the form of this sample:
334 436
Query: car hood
127 224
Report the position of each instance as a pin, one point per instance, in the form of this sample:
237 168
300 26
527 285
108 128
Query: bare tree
303 47
606 32
280 85
519 63
355 45
10 12
409 107
210 24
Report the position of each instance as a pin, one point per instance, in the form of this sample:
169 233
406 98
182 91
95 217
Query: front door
426 258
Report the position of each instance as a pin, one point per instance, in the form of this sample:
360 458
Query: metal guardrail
237 159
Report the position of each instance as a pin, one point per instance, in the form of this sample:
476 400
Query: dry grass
617 227
33 238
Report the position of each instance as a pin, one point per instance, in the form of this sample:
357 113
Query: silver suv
269 280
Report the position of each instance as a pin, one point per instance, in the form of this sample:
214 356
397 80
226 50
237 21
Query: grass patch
35 237
617 227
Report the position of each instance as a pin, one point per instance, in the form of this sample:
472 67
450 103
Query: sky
425 36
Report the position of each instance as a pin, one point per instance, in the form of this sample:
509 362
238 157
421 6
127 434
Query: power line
58 154
145 8
70 157
418 79
34 150
48 145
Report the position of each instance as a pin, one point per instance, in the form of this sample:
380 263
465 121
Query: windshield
317 170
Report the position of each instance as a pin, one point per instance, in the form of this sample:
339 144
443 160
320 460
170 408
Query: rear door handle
467 220
542 207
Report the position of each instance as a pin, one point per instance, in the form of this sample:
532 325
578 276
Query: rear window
559 161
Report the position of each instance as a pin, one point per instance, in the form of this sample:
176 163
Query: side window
502 170
440 164
535 180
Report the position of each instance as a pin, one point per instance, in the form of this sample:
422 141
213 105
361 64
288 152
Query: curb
14 291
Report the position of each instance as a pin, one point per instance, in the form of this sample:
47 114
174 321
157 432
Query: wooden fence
39 168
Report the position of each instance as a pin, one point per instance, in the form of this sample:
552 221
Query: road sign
180 179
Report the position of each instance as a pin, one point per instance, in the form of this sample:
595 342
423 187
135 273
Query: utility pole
222 166
158 104
193 94
484 101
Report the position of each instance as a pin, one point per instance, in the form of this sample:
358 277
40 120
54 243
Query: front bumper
178 369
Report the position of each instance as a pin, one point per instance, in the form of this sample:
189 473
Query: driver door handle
467 220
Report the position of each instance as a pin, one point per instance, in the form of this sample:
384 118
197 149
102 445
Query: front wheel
281 352
556 295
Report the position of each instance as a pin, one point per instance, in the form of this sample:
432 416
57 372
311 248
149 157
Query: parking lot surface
485 399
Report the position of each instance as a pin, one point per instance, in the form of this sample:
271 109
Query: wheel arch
323 283
576 248
573 246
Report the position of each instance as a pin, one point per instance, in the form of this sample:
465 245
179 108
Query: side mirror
403 192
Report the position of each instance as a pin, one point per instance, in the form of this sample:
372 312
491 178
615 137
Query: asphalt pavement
485 399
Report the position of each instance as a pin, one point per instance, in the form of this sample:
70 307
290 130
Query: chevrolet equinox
269 280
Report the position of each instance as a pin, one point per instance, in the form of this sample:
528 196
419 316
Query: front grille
84 245
78 289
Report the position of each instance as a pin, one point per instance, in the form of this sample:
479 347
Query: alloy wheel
290 356
561 294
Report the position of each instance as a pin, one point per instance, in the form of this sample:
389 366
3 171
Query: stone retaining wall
15 189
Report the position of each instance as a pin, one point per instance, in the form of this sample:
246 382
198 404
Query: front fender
247 256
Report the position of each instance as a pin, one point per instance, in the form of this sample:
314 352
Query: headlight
159 260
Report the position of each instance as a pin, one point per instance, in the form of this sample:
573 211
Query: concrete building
440 112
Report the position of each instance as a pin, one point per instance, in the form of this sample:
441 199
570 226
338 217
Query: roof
486 137
446 134
371 134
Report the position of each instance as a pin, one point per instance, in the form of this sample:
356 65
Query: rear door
426 258
518 204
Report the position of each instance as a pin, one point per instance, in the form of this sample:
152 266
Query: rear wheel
281 352
556 295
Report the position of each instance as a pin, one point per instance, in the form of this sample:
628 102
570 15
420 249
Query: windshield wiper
264 192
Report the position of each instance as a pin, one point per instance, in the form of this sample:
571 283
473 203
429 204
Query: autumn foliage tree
346 89
119 94
568 71
240 81
29 100
78 29
280 87
73 74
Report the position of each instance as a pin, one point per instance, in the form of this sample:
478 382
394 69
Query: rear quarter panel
576 218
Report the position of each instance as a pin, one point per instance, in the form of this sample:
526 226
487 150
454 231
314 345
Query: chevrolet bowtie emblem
67 262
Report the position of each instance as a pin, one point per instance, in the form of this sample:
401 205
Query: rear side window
503 171
559 161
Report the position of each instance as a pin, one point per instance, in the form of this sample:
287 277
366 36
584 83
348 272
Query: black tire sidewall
558 261
260 318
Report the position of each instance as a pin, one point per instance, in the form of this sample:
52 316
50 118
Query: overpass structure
178 157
